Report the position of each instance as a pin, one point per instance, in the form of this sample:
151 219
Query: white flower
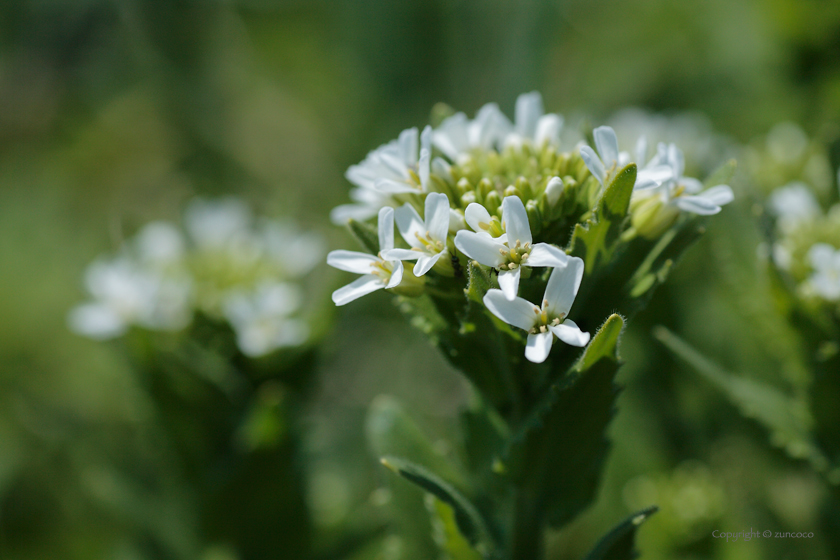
457 135
127 294
825 281
214 224
261 319
427 238
684 192
378 272
393 168
160 243
396 167
297 252
532 124
609 159
545 322
793 204
507 254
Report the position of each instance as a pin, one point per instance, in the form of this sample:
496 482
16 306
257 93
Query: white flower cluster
808 243
226 265
479 186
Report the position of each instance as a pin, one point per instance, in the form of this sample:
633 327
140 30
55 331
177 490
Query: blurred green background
116 112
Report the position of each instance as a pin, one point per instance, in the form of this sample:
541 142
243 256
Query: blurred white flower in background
224 264
825 281
793 204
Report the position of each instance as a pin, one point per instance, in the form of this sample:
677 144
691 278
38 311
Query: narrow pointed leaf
619 544
788 420
446 534
469 521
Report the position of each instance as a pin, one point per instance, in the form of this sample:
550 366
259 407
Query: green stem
528 538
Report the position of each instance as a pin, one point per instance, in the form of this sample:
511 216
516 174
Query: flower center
382 268
414 179
430 245
544 320
494 228
515 255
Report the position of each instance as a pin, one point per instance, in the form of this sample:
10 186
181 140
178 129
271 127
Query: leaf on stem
786 418
619 544
595 241
467 518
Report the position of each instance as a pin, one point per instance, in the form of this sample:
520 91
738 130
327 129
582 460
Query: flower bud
492 202
553 190
650 216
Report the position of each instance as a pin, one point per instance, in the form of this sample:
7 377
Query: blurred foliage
115 112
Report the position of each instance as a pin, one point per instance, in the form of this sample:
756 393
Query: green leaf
467 518
619 543
722 175
445 532
786 418
366 234
595 241
560 451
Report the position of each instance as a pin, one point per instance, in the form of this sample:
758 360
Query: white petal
442 169
515 219
408 146
529 108
593 163
820 255
548 130
696 205
509 282
456 221
451 136
96 321
649 177
426 262
390 186
476 214
675 156
543 254
409 223
519 312
386 228
692 185
424 169
342 214
356 289
570 333
351 261
401 254
437 216
563 286
641 150
396 275
482 248
720 195
538 347
607 144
